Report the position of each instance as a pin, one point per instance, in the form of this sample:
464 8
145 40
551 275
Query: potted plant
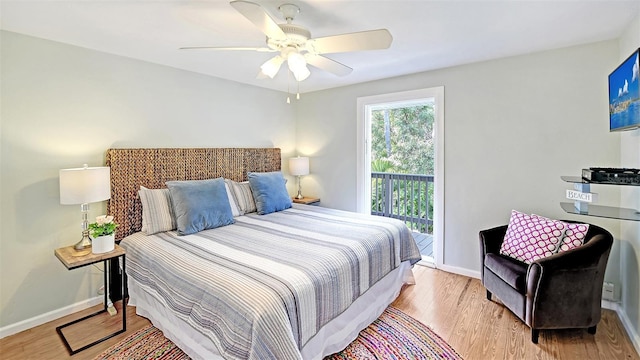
103 233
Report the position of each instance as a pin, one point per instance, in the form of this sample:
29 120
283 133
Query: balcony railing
407 197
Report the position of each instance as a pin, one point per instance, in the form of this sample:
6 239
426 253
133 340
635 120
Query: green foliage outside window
404 138
402 143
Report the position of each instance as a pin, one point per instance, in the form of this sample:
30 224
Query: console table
73 259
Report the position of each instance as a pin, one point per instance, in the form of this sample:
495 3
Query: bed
293 284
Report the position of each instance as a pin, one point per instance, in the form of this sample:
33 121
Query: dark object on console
561 291
619 176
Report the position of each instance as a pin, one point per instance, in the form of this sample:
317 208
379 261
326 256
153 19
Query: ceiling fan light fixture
297 47
301 73
272 66
296 61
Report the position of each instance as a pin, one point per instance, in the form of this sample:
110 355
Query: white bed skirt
331 338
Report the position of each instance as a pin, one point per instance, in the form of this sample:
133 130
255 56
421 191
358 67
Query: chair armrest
557 283
490 242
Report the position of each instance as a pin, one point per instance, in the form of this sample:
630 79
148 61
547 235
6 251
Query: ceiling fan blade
260 49
256 14
328 65
358 41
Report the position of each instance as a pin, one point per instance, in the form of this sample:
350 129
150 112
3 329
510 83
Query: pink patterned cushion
573 236
530 238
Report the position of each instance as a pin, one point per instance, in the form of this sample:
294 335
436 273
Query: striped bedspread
262 287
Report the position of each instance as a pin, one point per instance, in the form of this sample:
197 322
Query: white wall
630 198
512 128
63 106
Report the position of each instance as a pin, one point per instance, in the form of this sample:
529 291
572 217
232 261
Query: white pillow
157 215
232 202
242 195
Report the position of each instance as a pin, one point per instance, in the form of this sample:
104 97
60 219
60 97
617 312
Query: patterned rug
394 335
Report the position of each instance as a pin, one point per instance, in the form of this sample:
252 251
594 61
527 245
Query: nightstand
307 201
73 259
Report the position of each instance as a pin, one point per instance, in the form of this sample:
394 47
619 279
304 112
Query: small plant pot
103 244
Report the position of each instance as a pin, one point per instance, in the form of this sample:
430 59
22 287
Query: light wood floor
457 309
454 306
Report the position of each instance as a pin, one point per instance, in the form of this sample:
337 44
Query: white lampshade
296 62
299 166
85 185
271 67
302 73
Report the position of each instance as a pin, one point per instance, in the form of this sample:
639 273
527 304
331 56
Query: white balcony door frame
363 172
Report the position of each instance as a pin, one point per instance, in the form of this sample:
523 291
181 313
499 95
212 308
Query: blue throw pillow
269 192
200 205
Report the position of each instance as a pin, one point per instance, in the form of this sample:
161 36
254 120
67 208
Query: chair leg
534 335
488 295
592 330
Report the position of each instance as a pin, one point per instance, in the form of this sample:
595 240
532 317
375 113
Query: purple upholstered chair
557 292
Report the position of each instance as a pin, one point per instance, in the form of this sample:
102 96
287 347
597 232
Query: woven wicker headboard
151 168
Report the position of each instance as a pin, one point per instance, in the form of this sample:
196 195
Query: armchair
561 291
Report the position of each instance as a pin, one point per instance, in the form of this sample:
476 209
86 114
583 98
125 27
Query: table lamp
81 186
299 166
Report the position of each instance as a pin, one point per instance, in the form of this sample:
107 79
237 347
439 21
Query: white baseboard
51 315
460 271
626 322
610 305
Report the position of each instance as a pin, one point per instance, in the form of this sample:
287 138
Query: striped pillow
232 201
157 215
242 196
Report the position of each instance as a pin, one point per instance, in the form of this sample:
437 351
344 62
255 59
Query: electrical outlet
608 291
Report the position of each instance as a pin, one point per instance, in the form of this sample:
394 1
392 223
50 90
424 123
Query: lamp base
84 243
299 196
80 253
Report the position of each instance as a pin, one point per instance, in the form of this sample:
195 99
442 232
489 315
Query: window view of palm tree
402 164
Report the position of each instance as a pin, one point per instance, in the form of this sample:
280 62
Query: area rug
147 343
394 335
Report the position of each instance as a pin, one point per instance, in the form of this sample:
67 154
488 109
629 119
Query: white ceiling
427 35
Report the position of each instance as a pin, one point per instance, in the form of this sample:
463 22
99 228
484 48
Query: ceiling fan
295 45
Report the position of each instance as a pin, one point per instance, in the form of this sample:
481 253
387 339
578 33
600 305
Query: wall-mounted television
624 95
